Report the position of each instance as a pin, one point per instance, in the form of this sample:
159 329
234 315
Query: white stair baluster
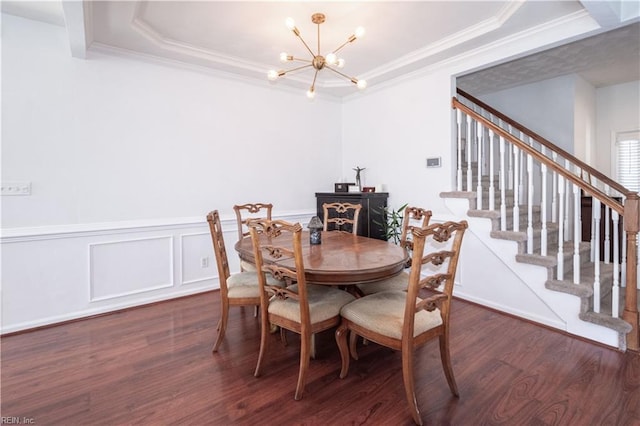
492 189
615 289
561 187
543 210
554 193
469 154
565 201
503 196
479 183
596 263
607 235
510 159
530 204
461 132
577 224
516 191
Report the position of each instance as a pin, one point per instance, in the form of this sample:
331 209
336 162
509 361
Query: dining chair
337 215
239 289
303 308
245 212
406 320
413 216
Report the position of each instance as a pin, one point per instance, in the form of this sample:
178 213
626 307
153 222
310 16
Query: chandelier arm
313 83
298 68
351 39
309 61
352 79
306 45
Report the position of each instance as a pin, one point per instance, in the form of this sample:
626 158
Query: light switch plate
16 188
434 162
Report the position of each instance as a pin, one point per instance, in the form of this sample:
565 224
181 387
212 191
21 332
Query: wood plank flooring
153 366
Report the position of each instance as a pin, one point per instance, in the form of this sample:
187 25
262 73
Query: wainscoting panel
126 267
197 258
61 273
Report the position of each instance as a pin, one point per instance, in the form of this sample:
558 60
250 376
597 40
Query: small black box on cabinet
342 187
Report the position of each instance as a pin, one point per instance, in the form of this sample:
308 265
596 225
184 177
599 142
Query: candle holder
315 230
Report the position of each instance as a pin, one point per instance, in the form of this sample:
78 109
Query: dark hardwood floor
153 365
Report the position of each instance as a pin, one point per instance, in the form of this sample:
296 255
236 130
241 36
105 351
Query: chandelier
317 61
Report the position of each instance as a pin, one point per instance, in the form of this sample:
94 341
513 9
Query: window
628 159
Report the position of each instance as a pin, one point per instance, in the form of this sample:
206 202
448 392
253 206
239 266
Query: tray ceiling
244 39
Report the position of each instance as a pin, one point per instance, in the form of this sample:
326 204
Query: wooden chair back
280 241
246 212
338 216
406 321
277 247
413 216
436 250
219 250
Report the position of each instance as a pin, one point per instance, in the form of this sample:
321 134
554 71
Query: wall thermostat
433 162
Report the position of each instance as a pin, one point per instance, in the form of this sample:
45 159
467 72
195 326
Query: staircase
531 192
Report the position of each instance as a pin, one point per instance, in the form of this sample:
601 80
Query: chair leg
222 326
446 364
341 340
353 340
409 387
264 340
305 349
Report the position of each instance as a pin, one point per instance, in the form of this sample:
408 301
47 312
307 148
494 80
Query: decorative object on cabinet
342 187
358 169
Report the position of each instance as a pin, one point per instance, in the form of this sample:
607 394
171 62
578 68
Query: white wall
393 130
125 159
618 110
116 139
546 107
584 120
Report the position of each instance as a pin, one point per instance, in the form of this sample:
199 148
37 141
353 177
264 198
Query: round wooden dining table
342 258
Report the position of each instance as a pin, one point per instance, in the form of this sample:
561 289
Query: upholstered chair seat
324 303
245 284
383 313
398 282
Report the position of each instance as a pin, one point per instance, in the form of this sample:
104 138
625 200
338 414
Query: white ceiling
245 38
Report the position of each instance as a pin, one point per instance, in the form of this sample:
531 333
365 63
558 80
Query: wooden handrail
603 197
605 179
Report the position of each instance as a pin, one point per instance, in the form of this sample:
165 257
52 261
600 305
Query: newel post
631 227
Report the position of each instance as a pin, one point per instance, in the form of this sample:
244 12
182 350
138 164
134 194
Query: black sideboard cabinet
373 205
